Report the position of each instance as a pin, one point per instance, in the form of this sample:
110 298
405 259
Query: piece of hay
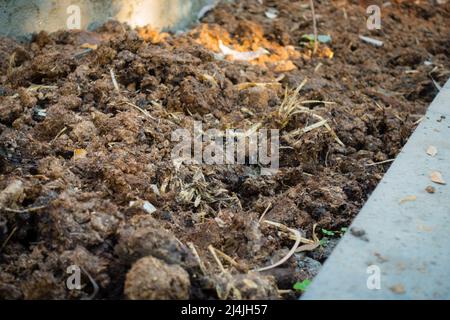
291 252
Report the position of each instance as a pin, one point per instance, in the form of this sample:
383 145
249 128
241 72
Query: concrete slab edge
400 244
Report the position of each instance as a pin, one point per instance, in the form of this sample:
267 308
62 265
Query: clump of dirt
250 286
86 124
141 237
152 279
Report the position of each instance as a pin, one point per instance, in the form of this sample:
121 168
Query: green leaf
302 286
323 242
308 37
328 232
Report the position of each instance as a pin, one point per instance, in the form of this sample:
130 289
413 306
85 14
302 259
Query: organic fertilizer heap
93 203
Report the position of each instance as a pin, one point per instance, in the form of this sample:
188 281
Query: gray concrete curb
407 241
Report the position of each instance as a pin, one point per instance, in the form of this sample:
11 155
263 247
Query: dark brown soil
79 161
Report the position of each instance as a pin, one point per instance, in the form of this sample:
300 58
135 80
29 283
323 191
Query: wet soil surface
86 175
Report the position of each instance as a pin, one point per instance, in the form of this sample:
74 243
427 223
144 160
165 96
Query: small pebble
398 289
359 233
430 189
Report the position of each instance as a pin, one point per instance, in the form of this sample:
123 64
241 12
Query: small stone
155 189
12 194
324 251
430 189
148 207
380 257
359 233
398 289
39 114
272 13
307 265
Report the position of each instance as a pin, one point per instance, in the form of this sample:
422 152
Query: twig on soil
164 112
8 238
310 244
58 135
114 81
222 294
37 176
290 102
265 212
230 287
280 77
238 201
28 210
216 258
11 63
316 36
372 41
291 252
314 126
322 122
292 106
36 87
285 291
82 53
210 79
319 65
229 259
197 257
436 84
145 112
307 241
378 163
308 247
316 102
247 85
419 121
382 108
